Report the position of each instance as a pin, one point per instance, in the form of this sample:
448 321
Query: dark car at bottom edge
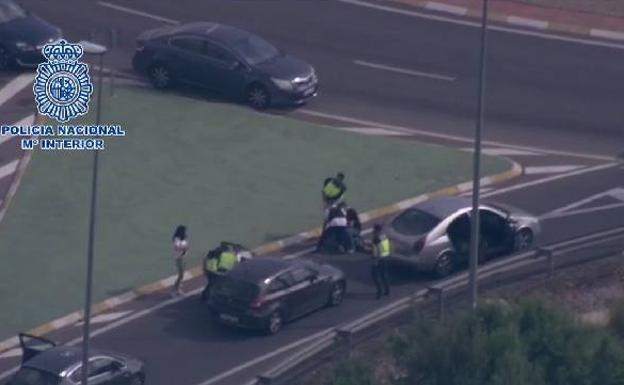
264 293
225 59
45 363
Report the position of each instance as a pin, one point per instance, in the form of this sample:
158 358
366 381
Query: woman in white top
180 247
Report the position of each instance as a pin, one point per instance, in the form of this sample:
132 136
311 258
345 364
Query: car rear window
237 289
414 222
32 376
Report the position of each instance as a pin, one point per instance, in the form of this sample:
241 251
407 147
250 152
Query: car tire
257 96
523 240
275 323
5 59
445 265
336 295
137 380
160 76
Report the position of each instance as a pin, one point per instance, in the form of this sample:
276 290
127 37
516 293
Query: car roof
60 358
442 207
55 360
220 32
260 268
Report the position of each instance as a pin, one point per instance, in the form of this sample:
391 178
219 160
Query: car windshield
414 222
31 376
255 50
10 11
236 289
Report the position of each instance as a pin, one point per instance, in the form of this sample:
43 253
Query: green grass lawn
226 172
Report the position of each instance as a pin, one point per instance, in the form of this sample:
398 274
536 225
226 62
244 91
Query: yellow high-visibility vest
212 265
227 260
382 249
330 190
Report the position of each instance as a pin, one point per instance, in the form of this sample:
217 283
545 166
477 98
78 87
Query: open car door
33 345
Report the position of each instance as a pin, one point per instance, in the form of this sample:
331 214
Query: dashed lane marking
373 131
24 122
441 7
9 168
138 13
533 170
13 87
523 21
403 71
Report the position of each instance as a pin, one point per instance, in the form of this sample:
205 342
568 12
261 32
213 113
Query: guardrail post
439 293
346 336
414 304
550 262
264 380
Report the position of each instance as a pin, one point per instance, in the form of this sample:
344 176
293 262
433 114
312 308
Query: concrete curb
150 288
516 20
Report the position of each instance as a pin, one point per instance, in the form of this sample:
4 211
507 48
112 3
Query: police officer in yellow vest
216 263
333 189
379 268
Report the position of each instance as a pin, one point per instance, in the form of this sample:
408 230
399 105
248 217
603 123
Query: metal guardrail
344 336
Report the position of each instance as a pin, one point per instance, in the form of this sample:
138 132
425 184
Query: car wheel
137 380
160 76
257 96
444 265
337 294
5 59
275 323
523 240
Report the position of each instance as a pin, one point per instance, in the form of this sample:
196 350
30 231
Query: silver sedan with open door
434 235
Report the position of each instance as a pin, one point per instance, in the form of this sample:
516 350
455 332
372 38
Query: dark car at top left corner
46 363
22 36
233 62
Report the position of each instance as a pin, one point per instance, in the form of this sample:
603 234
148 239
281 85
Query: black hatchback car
225 59
45 363
22 36
263 293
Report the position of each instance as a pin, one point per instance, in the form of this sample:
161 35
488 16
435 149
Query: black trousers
336 236
210 280
379 271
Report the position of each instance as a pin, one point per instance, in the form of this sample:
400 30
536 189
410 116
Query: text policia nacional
62 137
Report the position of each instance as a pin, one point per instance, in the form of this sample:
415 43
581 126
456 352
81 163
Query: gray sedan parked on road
434 235
225 59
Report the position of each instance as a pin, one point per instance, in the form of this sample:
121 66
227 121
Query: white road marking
373 131
482 190
441 7
8 168
138 13
265 357
15 352
503 151
456 138
24 122
616 193
551 178
532 170
523 21
588 210
403 71
13 87
106 317
423 15
615 35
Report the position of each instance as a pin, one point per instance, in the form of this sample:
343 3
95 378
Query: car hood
29 29
286 67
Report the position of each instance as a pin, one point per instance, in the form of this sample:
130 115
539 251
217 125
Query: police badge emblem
62 86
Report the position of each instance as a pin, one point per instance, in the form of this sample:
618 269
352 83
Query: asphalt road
542 93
